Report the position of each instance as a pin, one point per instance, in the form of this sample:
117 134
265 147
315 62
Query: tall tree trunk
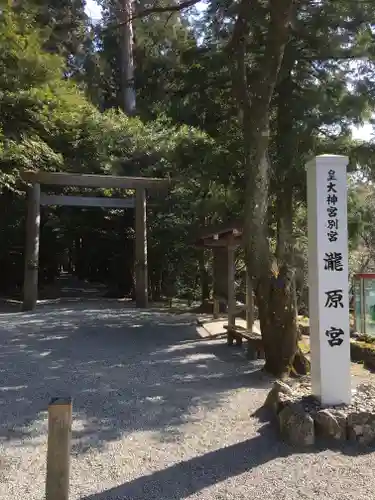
274 292
281 333
127 59
285 173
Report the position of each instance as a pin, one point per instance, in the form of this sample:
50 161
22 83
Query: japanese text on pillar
333 260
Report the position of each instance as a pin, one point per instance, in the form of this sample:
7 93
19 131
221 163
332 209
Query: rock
329 425
296 426
282 387
284 400
300 415
273 399
309 403
341 418
361 427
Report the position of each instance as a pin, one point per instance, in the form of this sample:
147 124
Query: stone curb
301 419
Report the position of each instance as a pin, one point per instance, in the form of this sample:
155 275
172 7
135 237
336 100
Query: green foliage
48 124
365 338
188 126
66 31
37 105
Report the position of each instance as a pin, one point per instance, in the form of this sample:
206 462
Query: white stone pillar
328 278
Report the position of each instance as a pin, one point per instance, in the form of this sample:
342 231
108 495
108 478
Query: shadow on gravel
186 478
126 370
189 477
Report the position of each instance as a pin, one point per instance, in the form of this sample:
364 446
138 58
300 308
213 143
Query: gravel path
159 413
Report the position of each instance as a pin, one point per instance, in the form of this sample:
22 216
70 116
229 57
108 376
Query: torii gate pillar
30 287
141 272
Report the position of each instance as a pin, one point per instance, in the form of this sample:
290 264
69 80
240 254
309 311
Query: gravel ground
160 413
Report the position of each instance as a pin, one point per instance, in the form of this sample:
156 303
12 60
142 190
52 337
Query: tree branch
236 48
277 37
254 103
157 9
167 8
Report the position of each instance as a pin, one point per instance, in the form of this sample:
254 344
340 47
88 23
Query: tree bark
127 58
255 110
274 292
294 360
278 315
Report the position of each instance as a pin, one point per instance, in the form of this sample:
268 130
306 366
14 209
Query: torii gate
36 199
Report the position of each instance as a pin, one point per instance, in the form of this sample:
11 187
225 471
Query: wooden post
216 305
30 286
249 304
216 308
231 295
58 452
220 277
141 275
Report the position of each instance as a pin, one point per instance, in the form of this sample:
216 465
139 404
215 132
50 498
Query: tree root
301 365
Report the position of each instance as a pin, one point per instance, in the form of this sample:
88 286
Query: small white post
328 279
